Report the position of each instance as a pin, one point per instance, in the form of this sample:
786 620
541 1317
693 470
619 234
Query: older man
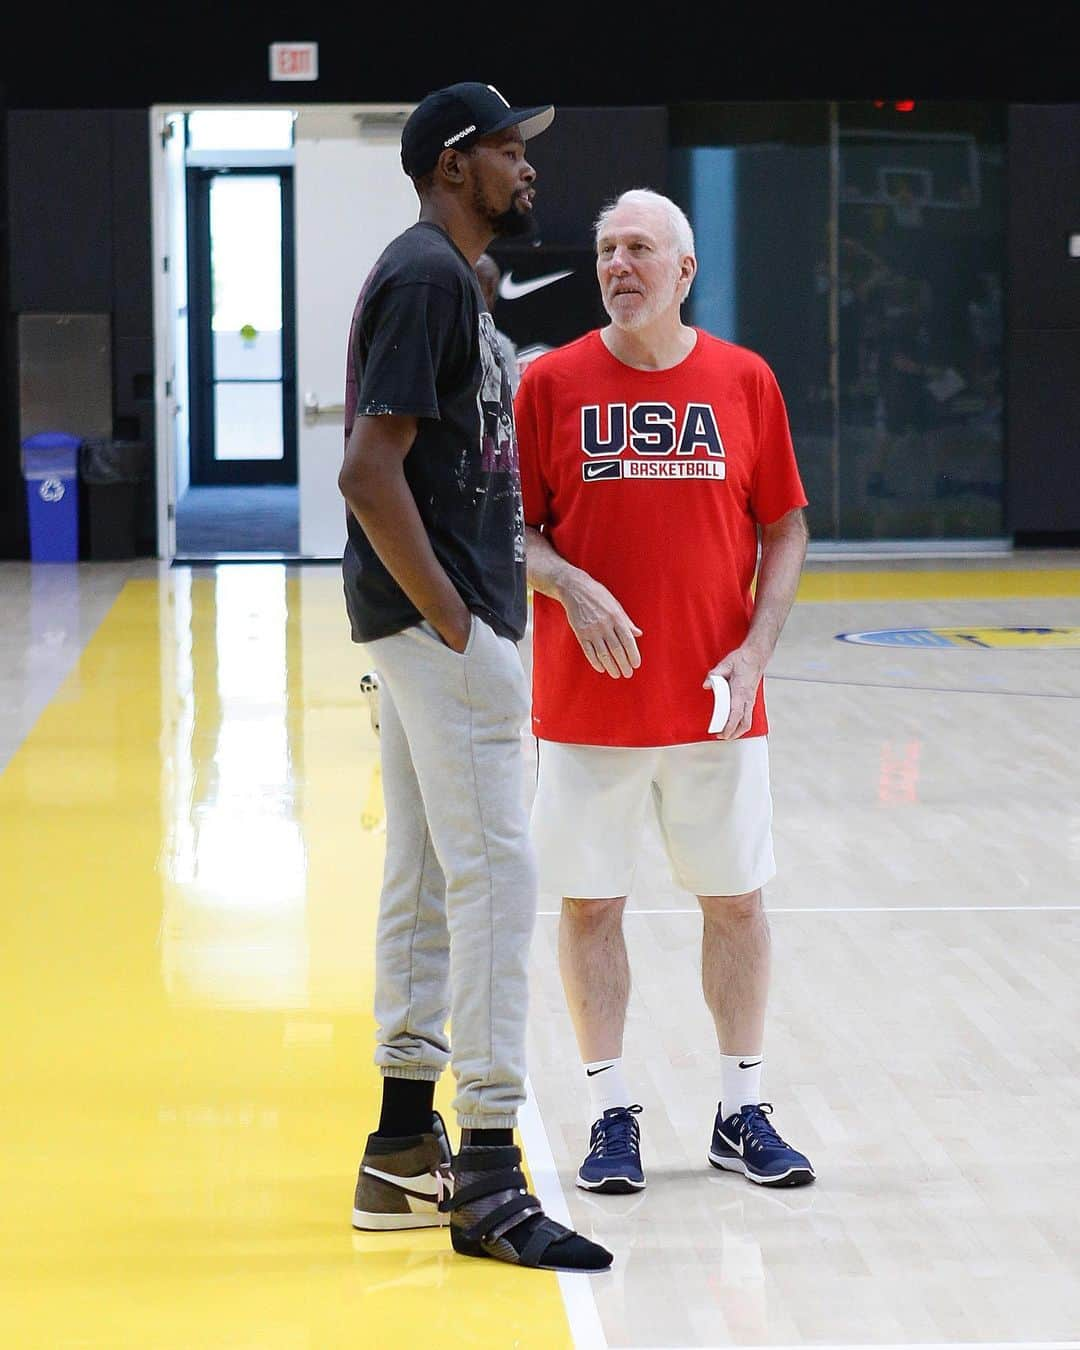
654 458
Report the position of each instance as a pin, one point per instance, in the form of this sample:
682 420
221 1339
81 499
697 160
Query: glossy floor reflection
190 849
191 837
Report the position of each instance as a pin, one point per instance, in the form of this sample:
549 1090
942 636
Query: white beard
645 313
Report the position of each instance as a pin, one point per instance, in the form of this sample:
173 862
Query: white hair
682 236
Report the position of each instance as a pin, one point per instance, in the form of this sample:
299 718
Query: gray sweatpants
459 888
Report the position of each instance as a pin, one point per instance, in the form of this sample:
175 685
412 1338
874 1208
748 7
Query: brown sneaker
401 1181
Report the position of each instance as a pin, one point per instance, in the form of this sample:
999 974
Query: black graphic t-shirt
422 343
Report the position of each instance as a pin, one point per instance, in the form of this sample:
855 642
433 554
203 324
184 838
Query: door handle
313 409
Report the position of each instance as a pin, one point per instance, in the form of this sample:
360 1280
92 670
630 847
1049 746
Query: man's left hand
743 669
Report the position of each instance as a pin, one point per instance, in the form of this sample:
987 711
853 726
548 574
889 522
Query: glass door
919 289
860 248
241 326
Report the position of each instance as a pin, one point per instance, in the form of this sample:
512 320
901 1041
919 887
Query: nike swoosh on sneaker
736 1144
422 1187
509 289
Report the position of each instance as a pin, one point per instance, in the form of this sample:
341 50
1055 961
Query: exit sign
294 60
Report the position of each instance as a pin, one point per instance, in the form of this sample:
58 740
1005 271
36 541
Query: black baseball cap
459 115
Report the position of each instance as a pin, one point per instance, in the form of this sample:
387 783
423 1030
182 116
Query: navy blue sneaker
613 1165
746 1142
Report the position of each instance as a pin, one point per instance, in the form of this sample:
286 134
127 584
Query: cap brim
529 121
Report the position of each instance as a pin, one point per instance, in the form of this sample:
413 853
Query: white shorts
713 804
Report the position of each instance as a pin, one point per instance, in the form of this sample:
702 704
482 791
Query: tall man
434 574
654 457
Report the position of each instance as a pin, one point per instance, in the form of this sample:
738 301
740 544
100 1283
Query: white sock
607 1086
740 1082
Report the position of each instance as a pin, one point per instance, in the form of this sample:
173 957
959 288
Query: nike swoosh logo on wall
509 289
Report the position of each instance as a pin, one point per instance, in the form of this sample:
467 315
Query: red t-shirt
653 482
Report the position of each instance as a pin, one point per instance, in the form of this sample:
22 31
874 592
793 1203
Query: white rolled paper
721 703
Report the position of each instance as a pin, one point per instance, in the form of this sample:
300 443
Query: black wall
1043 361
13 530
77 185
135 55
588 156
75 236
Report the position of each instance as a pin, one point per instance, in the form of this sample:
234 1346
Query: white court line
581 1313
906 1345
875 909
920 909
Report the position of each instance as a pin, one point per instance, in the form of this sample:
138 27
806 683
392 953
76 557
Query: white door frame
389 205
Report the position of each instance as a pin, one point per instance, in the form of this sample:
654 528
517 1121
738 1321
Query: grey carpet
238 520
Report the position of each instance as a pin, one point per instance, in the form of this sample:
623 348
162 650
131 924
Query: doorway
232 319
249 424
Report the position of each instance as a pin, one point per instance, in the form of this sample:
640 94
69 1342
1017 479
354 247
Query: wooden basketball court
191 839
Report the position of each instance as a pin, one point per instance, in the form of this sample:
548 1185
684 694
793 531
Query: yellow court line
191 844
954 584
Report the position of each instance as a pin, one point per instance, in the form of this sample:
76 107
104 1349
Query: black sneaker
493 1215
613 1165
746 1142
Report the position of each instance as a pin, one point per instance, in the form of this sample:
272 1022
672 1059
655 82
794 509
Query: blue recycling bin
50 466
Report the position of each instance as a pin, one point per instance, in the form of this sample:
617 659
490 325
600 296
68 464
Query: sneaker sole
384 1223
611 1185
794 1176
475 1250
558 1270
